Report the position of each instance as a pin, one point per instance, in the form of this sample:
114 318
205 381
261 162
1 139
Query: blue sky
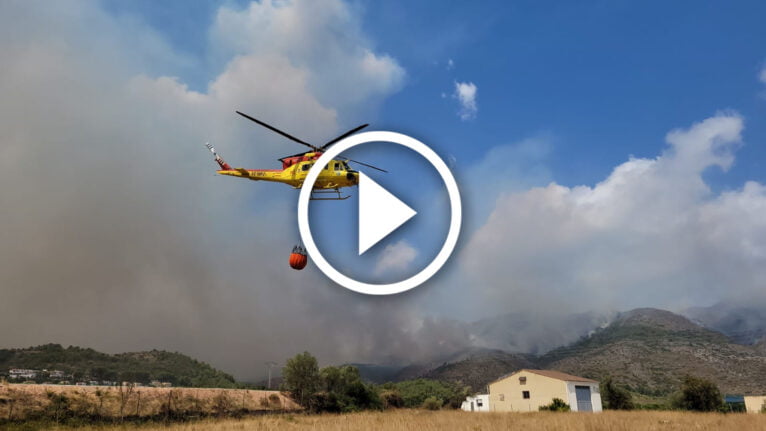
606 79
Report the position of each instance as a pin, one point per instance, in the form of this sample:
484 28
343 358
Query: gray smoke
117 234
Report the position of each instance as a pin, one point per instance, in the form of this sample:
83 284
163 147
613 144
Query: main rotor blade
349 133
294 155
274 129
369 166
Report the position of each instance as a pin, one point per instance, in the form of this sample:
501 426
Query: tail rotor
221 162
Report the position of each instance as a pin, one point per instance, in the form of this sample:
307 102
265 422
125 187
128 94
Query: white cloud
324 38
396 258
450 64
763 75
465 93
651 233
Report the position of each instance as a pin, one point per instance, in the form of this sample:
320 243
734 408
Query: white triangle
380 213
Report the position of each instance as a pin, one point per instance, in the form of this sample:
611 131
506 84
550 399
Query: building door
471 405
583 399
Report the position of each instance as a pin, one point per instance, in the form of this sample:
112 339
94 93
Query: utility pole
270 364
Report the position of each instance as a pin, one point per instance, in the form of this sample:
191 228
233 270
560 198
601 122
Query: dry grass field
421 420
19 402
22 402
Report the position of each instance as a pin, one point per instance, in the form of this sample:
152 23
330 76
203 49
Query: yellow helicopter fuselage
335 174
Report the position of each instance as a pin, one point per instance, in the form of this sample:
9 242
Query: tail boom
221 162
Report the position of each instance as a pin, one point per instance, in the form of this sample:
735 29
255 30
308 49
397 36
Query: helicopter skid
316 195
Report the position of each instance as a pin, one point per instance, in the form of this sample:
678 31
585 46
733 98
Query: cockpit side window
338 166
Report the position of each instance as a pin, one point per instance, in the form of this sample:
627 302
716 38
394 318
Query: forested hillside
84 364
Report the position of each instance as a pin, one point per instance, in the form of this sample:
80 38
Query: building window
525 394
523 380
502 397
479 403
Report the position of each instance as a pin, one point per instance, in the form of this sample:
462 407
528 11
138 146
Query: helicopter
335 175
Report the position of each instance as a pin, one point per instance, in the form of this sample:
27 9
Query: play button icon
380 213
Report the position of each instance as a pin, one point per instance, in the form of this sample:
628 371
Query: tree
699 395
340 379
301 377
615 397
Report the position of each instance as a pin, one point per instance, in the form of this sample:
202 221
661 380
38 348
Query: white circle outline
449 243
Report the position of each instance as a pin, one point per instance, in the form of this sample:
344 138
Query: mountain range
647 350
743 324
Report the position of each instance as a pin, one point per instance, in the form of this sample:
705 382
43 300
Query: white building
476 403
18 373
528 390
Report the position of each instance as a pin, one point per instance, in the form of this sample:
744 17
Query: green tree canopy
415 392
301 377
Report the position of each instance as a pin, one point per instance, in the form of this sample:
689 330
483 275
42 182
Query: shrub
557 405
344 391
324 401
432 403
391 399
